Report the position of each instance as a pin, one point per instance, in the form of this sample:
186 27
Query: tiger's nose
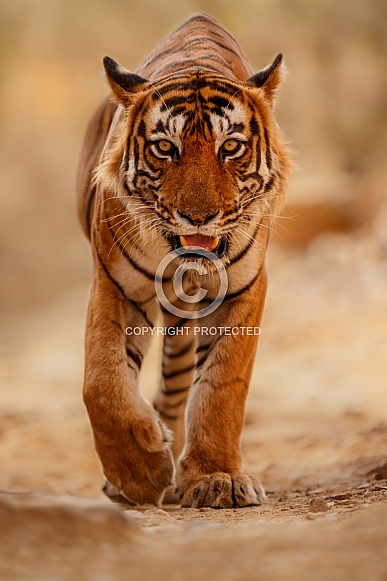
198 218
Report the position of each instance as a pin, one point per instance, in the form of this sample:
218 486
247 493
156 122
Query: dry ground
315 434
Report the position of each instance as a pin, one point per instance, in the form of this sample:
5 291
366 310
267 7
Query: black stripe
172 328
258 195
141 130
150 185
139 309
217 83
258 157
268 152
181 60
202 359
245 250
178 372
132 367
180 353
116 284
194 62
157 172
174 85
200 29
216 42
175 391
136 357
139 194
211 365
195 42
127 299
135 265
270 183
127 155
148 300
203 347
153 59
244 289
167 416
252 175
210 346
225 104
174 101
206 18
89 207
160 127
172 405
136 152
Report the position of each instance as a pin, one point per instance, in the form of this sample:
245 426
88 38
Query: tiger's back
200 41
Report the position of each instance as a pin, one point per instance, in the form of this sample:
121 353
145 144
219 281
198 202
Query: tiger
184 155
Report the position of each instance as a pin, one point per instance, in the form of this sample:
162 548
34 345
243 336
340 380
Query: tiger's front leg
209 471
132 442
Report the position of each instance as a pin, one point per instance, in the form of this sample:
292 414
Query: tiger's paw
138 471
221 490
142 481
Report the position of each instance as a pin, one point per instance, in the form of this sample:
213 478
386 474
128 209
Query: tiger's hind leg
178 370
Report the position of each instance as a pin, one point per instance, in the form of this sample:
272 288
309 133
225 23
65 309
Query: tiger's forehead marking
229 125
166 126
226 118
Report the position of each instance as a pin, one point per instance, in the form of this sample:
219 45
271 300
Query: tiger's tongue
200 241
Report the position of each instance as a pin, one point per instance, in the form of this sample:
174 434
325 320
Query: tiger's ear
269 78
122 82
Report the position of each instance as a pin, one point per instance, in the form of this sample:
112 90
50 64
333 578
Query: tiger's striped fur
186 147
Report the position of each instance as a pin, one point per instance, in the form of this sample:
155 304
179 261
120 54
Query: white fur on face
131 172
222 126
263 169
223 130
173 125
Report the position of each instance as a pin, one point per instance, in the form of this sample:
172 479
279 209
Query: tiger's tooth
214 243
184 242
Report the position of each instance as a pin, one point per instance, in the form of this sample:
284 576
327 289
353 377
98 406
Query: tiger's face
202 160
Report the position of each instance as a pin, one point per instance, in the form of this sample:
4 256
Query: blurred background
324 338
333 109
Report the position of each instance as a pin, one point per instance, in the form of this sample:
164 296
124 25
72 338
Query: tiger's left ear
122 82
269 78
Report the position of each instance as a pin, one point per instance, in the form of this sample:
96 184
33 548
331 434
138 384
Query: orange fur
191 95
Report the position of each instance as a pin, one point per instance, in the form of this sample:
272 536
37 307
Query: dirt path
315 434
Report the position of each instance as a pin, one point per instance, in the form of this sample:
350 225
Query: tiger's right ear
122 82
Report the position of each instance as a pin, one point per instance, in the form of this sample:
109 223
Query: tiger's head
197 157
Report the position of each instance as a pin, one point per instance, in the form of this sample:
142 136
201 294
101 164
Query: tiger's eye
231 145
165 146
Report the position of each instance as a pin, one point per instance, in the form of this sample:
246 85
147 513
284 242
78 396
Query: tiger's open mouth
214 244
